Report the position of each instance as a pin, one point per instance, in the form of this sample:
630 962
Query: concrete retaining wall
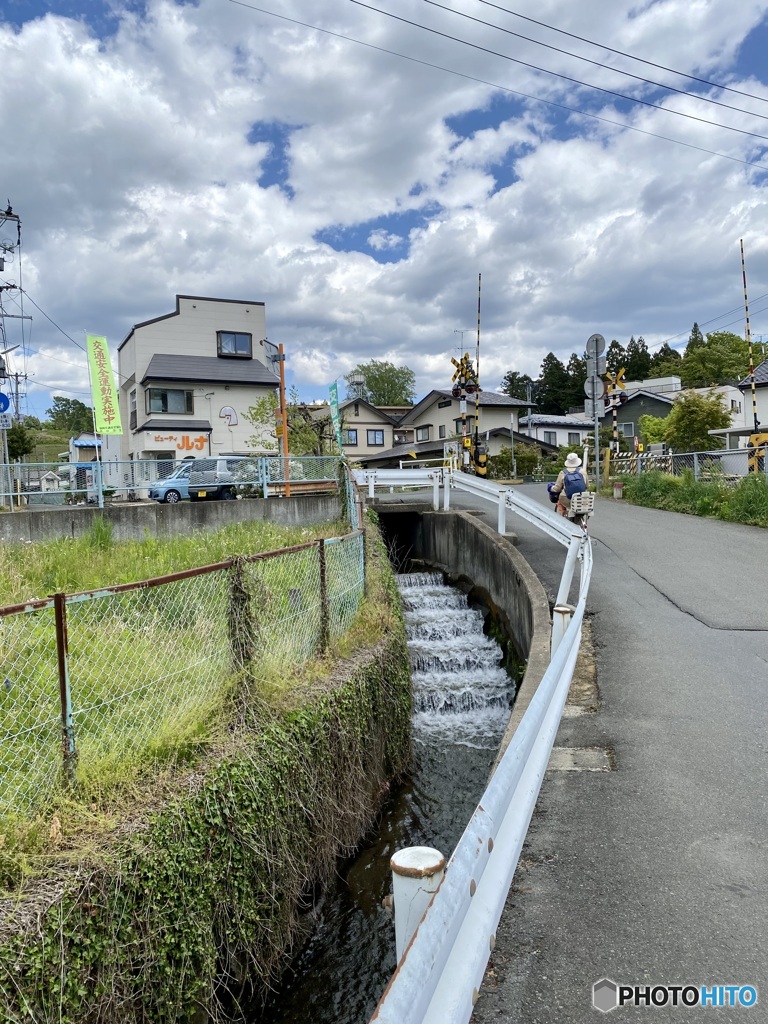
135 522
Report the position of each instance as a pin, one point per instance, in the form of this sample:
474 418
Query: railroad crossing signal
616 381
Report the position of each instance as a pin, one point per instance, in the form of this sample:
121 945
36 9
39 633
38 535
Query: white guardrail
439 975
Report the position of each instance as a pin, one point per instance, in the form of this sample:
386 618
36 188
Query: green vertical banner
103 392
334 393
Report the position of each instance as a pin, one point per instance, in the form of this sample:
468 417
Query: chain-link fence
133 671
727 466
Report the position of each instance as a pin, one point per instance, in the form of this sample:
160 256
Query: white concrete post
561 619
371 484
447 479
570 565
417 871
436 491
501 524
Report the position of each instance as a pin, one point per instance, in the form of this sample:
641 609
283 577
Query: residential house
425 430
761 396
559 431
437 417
187 379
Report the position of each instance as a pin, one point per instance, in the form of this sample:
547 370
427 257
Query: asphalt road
655 872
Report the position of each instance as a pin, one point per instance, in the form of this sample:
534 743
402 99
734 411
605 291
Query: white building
560 431
187 379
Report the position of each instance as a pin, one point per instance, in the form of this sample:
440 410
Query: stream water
461 699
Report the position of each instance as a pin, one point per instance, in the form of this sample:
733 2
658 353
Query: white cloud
129 163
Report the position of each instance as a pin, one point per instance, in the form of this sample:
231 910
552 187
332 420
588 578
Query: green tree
638 364
666 362
310 432
651 429
20 441
695 339
692 416
552 386
383 383
723 357
516 385
615 357
70 414
577 375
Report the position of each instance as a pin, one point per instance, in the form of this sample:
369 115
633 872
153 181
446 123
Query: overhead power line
557 74
622 53
596 63
500 88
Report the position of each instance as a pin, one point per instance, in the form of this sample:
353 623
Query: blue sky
359 174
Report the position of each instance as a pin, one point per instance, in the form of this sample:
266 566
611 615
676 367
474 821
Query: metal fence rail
58 483
135 670
725 466
440 973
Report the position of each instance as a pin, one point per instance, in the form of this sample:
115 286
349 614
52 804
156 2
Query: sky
359 168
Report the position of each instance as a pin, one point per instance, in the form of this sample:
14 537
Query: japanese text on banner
103 392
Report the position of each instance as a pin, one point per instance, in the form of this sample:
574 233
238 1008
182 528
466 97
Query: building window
376 438
422 433
550 437
445 404
132 410
403 436
574 438
234 346
735 406
627 429
349 437
170 400
441 431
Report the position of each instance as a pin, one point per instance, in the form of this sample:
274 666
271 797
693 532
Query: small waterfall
461 701
461 694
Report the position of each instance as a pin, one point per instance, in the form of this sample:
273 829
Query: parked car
213 478
174 487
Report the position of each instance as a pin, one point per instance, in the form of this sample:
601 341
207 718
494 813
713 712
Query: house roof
487 399
651 394
373 408
209 370
185 425
543 420
761 377
167 316
401 451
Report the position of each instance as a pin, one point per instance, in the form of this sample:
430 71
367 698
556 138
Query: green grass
71 565
746 503
151 670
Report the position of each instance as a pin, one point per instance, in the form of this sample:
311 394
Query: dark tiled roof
761 376
209 370
175 425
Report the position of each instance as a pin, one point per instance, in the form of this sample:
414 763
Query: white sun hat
572 461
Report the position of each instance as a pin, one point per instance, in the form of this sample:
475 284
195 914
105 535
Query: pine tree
638 364
615 357
552 386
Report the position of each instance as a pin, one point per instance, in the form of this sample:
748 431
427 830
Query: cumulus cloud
377 188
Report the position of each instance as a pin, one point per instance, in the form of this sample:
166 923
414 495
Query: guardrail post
371 484
561 619
447 480
501 523
62 655
417 872
567 577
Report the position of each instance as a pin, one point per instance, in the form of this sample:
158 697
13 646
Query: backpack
574 483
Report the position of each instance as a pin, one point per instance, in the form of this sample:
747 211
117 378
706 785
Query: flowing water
461 703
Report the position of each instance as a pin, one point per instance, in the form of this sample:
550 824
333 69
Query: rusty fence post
62 655
243 629
324 613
